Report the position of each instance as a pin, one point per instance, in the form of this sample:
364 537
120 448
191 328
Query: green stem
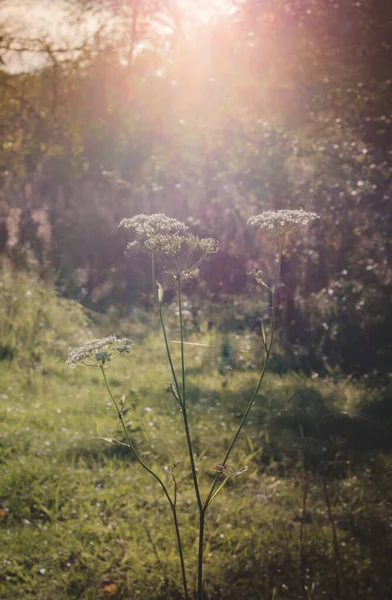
200 557
181 394
184 411
263 370
243 420
175 380
154 288
179 543
129 440
182 339
156 477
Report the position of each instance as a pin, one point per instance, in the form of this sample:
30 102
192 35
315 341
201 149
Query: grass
80 519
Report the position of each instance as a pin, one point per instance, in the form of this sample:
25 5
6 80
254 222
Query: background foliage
270 105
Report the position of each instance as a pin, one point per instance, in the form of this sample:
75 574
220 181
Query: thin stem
181 393
200 557
182 339
129 440
175 380
155 292
156 477
268 349
184 411
179 543
263 370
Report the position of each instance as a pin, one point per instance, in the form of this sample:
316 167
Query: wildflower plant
169 244
282 222
95 353
178 252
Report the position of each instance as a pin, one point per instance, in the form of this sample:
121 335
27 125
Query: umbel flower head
96 352
181 255
148 226
167 240
282 221
258 275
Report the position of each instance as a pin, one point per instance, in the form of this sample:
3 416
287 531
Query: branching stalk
268 348
156 477
184 410
179 543
129 440
162 235
263 370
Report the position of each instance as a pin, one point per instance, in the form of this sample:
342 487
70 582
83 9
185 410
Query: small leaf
107 440
263 334
111 441
266 286
175 394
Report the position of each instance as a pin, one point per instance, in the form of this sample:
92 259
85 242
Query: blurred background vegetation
138 107
210 115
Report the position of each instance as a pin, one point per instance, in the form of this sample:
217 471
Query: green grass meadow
79 518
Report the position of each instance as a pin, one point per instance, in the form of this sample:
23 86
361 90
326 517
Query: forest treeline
272 104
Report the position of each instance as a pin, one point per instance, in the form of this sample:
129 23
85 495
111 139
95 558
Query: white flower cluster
165 244
258 275
95 352
282 221
207 245
151 225
165 237
172 245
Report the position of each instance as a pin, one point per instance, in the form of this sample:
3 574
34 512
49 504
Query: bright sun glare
32 18
204 10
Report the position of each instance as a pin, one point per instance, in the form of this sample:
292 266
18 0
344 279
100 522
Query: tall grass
34 320
79 520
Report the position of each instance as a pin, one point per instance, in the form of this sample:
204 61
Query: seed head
167 240
151 225
282 221
95 353
170 245
258 275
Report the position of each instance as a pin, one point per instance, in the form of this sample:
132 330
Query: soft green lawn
80 519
